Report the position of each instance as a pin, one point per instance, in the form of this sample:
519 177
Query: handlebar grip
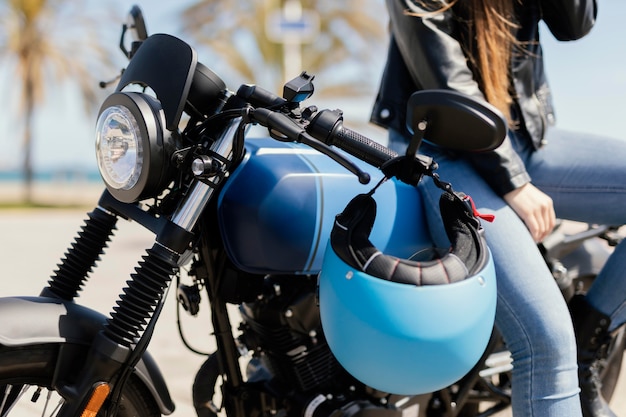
362 147
327 126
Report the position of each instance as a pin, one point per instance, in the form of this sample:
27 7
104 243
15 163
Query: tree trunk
27 166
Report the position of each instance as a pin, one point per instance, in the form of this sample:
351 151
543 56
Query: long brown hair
490 42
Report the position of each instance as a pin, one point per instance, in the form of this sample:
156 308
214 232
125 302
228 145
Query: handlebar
318 129
286 121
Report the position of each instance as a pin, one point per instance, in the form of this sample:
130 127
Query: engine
283 329
292 372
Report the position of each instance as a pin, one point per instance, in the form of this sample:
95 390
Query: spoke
11 397
45 406
7 392
57 408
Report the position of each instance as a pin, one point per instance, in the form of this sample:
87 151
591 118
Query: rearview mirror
136 24
455 121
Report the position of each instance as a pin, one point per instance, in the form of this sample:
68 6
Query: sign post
292 27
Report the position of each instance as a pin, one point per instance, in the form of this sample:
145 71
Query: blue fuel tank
278 208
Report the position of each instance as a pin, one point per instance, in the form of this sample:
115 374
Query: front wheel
27 379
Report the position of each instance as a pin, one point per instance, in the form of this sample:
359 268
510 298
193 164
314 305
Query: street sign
302 28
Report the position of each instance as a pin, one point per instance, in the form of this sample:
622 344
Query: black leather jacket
425 53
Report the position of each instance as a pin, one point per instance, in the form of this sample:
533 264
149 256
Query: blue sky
588 78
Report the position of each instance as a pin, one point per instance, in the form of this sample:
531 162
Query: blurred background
54 54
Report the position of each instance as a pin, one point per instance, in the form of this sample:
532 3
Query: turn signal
98 396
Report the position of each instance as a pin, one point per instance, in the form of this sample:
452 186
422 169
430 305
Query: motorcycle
248 218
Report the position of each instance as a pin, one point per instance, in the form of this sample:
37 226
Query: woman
490 49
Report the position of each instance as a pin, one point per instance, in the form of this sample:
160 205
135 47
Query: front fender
37 320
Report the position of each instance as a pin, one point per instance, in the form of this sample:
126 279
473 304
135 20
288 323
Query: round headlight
132 155
119 148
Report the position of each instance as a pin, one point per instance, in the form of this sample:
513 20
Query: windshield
166 64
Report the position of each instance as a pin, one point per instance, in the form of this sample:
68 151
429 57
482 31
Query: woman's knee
541 334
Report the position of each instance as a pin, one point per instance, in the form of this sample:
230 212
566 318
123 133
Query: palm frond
351 33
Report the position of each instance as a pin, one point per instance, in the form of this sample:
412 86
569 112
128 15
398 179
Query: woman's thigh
585 176
530 309
527 291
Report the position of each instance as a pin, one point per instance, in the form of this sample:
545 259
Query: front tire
26 383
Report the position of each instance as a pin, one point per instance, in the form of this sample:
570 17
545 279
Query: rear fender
38 320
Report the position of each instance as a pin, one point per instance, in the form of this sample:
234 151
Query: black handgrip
361 146
327 126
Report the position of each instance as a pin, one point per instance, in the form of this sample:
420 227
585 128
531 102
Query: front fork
125 336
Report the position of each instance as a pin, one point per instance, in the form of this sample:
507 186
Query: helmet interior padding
467 255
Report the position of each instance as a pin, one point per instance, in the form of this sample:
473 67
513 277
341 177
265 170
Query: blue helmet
401 326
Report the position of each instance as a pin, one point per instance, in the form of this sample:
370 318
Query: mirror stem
416 141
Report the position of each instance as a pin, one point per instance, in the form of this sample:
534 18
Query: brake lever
364 177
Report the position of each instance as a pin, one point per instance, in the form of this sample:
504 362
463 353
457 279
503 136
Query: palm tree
49 43
346 54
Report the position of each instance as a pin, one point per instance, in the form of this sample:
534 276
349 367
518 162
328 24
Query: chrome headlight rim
145 115
119 148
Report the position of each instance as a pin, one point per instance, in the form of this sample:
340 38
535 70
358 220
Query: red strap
486 217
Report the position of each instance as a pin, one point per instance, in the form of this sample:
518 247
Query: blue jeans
586 178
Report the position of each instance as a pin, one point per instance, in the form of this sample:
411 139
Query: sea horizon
52 175
55 187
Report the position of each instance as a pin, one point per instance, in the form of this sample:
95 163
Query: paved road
31 245
33 242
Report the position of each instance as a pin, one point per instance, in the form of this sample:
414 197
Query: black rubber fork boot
592 337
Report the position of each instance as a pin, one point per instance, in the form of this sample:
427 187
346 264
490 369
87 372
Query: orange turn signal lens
98 396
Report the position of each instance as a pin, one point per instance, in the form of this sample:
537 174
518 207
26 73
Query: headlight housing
132 150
